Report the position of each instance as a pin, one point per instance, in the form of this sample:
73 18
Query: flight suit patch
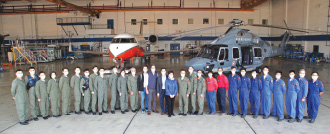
282 83
296 84
203 81
239 78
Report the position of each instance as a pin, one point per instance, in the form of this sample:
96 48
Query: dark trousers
221 99
170 103
163 101
152 96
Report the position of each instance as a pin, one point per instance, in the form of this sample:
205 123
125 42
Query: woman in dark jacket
171 89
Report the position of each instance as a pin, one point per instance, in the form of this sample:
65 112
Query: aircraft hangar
123 43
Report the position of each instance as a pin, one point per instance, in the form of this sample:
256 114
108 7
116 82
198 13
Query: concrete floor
142 123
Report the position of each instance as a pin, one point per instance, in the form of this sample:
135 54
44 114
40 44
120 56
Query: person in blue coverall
302 95
244 92
278 96
234 85
266 93
315 90
291 96
255 94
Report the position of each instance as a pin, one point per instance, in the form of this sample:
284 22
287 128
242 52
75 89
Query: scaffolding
328 25
22 55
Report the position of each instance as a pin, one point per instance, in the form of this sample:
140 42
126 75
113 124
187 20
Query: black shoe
173 114
94 113
100 113
123 112
57 116
67 114
49 116
266 117
287 117
249 113
189 112
35 119
112 111
308 117
77 113
255 116
243 116
117 108
87 113
229 114
39 115
169 115
196 113
126 110
180 114
45 118
106 112
71 112
311 121
24 123
234 115
291 120
133 111
184 114
279 120
299 120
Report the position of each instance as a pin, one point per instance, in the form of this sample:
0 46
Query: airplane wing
171 51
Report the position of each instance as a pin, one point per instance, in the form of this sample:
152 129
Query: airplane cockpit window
115 40
124 40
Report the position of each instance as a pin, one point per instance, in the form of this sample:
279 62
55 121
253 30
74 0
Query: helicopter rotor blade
289 30
192 32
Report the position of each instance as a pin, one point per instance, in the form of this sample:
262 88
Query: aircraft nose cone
197 63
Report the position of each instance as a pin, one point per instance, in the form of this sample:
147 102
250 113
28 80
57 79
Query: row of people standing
259 93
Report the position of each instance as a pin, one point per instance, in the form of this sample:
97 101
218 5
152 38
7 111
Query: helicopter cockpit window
257 52
235 53
241 33
222 54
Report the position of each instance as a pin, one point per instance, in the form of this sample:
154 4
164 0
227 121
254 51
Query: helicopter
238 47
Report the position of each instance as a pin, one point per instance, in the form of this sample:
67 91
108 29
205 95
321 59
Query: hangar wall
41 26
306 14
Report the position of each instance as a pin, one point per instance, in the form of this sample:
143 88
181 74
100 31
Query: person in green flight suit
192 97
122 89
18 90
75 84
200 91
53 91
66 91
42 95
30 81
86 92
93 90
113 79
183 92
101 84
133 89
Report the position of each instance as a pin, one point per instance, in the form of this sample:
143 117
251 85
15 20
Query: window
264 21
159 21
235 53
223 54
206 21
175 21
250 21
240 33
221 21
257 52
190 21
133 21
145 21
124 40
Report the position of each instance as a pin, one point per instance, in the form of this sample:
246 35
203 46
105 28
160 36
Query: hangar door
175 46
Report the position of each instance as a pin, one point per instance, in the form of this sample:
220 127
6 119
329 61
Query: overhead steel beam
250 4
13 0
72 6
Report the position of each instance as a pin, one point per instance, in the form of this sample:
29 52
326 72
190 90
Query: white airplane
126 46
